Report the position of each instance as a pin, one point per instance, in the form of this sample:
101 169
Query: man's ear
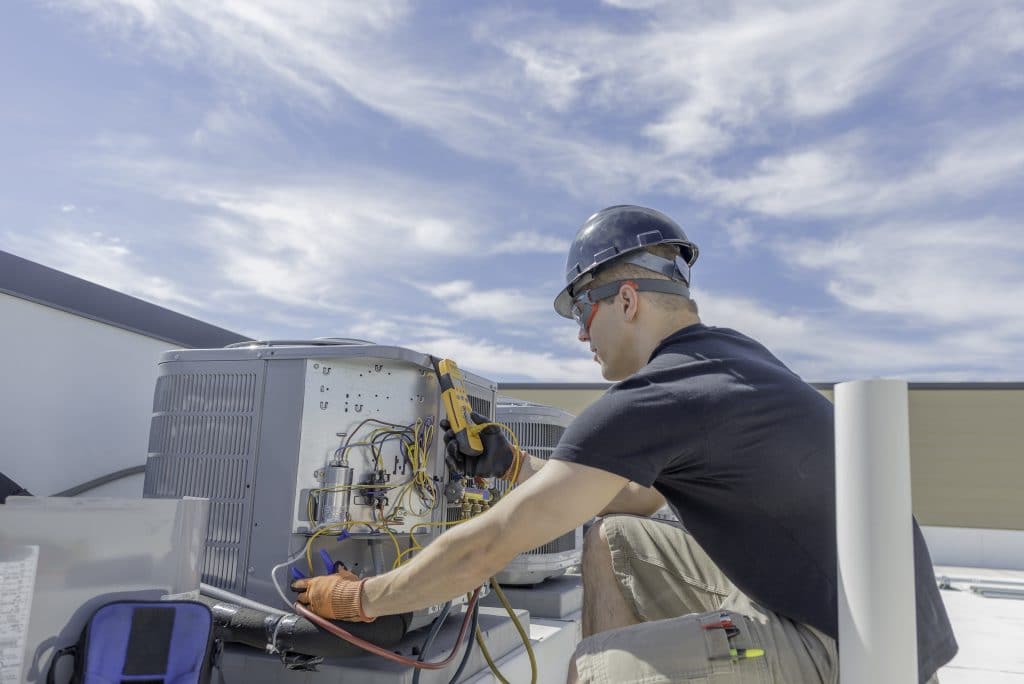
630 301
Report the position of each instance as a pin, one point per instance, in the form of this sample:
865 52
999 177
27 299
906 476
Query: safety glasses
584 305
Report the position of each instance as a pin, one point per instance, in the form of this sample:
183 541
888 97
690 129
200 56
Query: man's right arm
632 500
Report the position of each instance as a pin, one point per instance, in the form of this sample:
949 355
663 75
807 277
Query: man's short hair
662 300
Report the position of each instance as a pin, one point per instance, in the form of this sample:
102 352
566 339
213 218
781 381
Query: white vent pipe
874 533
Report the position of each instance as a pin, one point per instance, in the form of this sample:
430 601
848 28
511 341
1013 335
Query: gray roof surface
989 630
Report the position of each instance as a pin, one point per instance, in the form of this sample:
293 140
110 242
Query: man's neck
651 337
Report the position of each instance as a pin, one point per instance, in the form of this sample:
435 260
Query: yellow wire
487 656
519 628
334 529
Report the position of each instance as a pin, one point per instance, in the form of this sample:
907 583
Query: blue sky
412 173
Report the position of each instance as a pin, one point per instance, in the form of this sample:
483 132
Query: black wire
379 440
469 644
348 439
109 477
429 641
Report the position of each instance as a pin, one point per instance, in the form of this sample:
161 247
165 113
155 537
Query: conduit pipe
874 534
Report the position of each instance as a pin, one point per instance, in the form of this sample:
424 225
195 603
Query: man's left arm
557 499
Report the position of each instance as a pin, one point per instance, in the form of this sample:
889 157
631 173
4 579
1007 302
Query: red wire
377 650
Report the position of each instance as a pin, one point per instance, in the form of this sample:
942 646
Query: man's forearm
531 466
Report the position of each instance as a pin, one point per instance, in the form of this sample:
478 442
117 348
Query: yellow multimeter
457 408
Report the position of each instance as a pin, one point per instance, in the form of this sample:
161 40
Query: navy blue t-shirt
744 451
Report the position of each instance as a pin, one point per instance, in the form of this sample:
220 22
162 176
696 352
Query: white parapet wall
76 398
971 547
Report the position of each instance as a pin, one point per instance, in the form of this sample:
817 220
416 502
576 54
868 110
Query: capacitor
337 495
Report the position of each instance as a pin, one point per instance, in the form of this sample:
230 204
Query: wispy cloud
683 85
328 160
508 306
951 273
105 260
845 176
444 336
527 242
828 348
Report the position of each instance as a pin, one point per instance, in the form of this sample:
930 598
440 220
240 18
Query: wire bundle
415 442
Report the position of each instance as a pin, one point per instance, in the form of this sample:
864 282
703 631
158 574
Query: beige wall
571 400
966 451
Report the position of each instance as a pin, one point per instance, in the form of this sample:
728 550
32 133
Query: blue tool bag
143 642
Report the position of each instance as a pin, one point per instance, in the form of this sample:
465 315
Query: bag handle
51 673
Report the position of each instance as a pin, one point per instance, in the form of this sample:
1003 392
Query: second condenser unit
539 428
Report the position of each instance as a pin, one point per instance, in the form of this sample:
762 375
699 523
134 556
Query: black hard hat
620 234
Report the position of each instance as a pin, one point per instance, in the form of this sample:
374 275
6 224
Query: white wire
273 575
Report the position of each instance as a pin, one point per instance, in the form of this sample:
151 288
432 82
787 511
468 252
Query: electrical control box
362 419
303 448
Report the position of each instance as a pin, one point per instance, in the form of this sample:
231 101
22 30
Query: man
704 418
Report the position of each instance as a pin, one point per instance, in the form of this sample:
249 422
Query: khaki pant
677 592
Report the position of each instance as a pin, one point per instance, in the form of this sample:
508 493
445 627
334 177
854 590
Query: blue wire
429 641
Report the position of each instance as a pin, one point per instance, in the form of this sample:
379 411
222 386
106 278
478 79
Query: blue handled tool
328 561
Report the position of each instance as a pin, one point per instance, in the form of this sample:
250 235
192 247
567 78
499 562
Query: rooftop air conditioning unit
331 445
538 428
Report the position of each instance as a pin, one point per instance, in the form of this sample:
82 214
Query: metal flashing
40 284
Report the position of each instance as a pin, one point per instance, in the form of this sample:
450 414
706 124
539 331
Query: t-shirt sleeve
635 430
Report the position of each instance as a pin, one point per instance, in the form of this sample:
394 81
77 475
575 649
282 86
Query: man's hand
335 597
497 458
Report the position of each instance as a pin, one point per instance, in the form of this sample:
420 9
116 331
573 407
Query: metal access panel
342 400
260 431
539 428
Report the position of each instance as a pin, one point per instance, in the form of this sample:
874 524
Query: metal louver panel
201 444
453 513
540 439
221 435
211 478
480 405
205 393
567 542
538 429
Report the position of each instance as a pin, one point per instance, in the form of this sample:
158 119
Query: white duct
877 623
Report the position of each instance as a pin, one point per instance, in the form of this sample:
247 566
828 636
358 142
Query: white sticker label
17 581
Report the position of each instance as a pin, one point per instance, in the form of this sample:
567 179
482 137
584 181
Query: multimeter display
457 408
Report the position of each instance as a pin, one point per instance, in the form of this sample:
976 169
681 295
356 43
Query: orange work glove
336 597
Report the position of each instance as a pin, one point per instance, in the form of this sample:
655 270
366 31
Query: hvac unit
539 428
292 440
